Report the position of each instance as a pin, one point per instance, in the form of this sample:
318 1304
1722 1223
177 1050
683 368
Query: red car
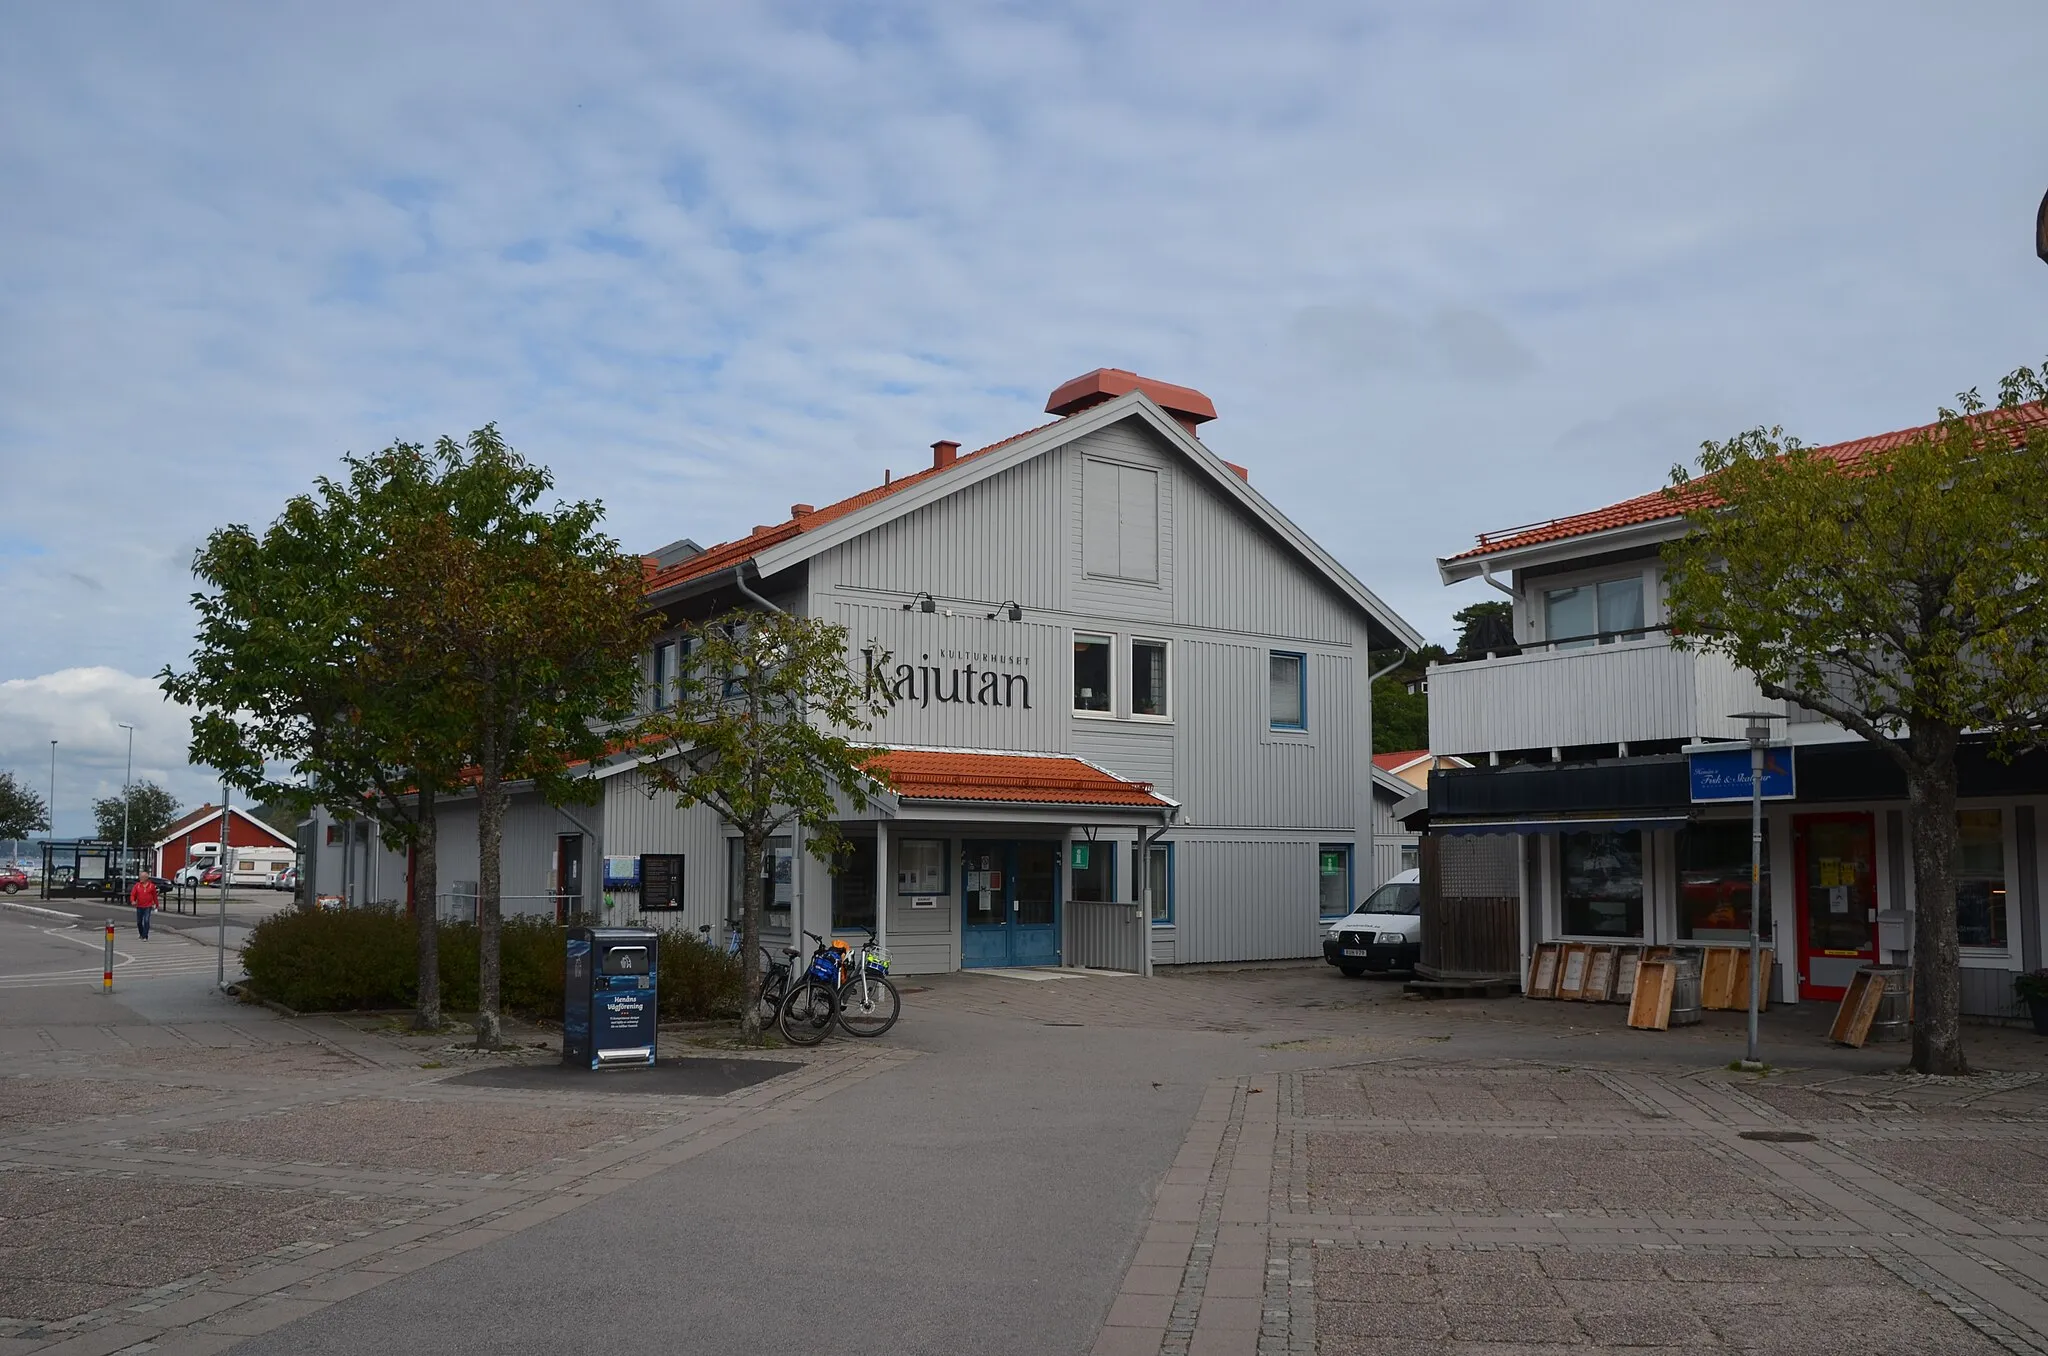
12 880
211 876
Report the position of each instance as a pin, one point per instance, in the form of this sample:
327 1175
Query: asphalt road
982 1199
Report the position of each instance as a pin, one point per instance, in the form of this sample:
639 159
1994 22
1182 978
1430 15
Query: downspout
739 579
1486 573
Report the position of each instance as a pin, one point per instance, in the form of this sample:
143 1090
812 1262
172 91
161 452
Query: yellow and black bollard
107 976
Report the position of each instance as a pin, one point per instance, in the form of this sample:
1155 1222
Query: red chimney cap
1184 403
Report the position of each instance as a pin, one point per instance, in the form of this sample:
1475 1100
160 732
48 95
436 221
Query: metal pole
127 799
107 978
1756 872
884 891
52 816
220 978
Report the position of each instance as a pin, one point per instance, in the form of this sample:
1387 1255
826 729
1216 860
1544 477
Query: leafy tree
1903 594
529 620
282 674
22 811
1400 718
1486 628
760 732
151 809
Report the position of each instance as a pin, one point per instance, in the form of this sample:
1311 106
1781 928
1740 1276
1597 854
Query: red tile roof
1656 506
1015 778
1394 762
725 555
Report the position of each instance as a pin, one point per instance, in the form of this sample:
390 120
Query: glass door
985 902
1837 899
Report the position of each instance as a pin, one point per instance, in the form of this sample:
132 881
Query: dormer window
1594 614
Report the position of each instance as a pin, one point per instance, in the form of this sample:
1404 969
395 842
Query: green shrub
339 960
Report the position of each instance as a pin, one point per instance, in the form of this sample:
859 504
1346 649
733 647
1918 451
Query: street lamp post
1758 733
127 800
52 807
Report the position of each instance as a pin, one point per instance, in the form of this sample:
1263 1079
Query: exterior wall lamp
921 603
1008 609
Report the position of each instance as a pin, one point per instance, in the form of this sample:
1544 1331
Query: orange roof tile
725 555
1393 762
1015 778
1656 506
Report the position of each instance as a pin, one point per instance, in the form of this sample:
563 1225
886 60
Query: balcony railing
1570 692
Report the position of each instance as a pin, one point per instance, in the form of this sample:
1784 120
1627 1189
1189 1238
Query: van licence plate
1356 951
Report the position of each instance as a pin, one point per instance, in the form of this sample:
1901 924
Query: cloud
82 709
706 260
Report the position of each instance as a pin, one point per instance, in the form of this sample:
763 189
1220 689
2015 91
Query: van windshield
1394 898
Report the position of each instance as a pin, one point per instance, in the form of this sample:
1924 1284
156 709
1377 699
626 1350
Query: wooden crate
1599 975
1719 970
1626 960
1571 971
1543 972
1649 1009
1858 1010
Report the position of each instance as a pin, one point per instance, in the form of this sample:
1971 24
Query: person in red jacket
143 896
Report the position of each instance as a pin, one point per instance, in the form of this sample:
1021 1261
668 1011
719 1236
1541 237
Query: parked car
12 879
287 879
190 874
210 876
1383 933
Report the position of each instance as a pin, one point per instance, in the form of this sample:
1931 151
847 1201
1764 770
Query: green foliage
761 731
151 810
341 960
1400 718
22 812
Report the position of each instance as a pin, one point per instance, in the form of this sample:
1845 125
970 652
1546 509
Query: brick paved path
1499 1206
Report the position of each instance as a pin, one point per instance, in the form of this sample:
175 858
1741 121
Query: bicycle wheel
808 1013
869 1006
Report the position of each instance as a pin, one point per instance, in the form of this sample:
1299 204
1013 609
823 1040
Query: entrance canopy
977 784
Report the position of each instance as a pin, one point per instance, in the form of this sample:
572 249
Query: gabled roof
1656 507
1401 762
779 546
206 814
1009 778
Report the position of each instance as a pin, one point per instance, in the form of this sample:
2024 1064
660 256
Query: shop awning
993 778
1559 824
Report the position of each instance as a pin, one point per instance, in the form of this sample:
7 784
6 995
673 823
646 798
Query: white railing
1628 692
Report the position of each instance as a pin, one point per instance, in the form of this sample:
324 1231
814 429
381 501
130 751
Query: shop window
921 866
1603 883
1713 882
1980 879
661 881
1148 680
853 885
1287 690
1160 863
1092 867
1333 880
1120 521
1093 660
1599 613
778 876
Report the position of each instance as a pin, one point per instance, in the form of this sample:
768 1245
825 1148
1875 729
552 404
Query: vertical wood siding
1239 900
636 823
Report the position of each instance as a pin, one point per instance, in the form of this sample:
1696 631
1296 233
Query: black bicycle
774 984
811 1006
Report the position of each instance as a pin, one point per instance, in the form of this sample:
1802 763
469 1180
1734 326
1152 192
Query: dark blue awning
1559 824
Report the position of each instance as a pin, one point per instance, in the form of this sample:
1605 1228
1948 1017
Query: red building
202 825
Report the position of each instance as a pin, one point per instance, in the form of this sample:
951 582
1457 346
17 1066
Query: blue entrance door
1010 902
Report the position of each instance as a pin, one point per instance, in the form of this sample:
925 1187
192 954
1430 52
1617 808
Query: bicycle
868 1001
774 974
811 1006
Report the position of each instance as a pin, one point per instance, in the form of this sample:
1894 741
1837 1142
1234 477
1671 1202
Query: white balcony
1628 692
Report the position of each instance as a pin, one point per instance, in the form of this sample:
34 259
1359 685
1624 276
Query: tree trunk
426 915
751 846
490 841
1937 963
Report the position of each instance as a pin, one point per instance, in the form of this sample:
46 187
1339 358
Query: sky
1443 268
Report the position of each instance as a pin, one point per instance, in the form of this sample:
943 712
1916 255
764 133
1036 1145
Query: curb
47 913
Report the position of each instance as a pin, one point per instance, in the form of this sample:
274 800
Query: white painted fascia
809 543
1457 569
1387 781
192 830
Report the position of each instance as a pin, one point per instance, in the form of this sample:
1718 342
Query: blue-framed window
1287 689
1333 880
1162 882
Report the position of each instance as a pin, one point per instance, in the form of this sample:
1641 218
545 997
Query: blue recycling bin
609 1007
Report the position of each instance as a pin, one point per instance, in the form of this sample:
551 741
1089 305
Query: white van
1383 933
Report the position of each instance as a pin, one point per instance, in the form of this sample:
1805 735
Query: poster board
1599 975
1858 1010
1626 959
1650 1007
1543 972
1571 971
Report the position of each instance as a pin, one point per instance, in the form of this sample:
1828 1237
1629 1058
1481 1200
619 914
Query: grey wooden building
1096 630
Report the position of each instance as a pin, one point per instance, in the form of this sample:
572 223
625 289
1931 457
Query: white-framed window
1094 674
1287 690
665 678
1119 521
1150 693
1594 613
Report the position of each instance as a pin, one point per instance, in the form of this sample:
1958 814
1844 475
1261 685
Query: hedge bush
339 960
